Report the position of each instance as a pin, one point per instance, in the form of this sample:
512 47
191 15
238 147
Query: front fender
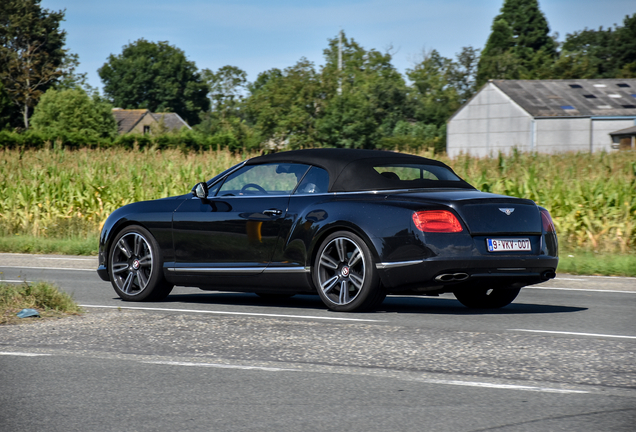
155 216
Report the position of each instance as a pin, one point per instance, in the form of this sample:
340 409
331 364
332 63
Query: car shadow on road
248 299
392 304
451 306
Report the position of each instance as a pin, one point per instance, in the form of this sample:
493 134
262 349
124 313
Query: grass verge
583 262
42 296
41 245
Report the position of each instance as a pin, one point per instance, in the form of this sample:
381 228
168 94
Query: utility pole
340 64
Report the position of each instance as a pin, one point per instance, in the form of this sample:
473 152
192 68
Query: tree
31 52
498 61
529 27
364 101
284 105
519 45
624 48
225 87
73 111
585 54
7 113
156 76
349 121
599 53
226 90
436 98
463 73
70 78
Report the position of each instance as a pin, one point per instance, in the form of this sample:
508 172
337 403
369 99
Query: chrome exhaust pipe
452 277
547 275
461 276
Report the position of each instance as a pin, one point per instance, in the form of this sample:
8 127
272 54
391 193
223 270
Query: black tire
135 266
486 298
345 275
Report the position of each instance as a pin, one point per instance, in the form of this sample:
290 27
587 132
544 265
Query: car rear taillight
440 221
546 221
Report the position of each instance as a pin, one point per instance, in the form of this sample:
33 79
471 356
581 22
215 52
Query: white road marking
570 279
68 259
234 313
427 381
574 333
611 277
15 281
500 386
579 289
221 366
21 354
47 268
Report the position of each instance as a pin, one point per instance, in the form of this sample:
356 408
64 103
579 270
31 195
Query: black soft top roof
353 170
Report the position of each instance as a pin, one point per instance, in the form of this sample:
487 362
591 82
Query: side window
316 181
214 189
415 172
262 180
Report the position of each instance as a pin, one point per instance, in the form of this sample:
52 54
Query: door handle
272 212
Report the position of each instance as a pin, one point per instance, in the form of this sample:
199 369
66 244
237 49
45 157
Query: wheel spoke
139 243
356 280
120 267
355 257
146 261
327 261
329 284
123 246
342 249
143 280
344 293
128 283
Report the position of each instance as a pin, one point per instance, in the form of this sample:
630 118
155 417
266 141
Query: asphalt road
561 357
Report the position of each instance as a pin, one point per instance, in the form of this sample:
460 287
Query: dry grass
42 296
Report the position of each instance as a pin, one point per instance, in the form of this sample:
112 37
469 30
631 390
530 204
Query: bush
72 112
186 140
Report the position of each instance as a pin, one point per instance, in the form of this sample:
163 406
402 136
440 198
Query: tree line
361 102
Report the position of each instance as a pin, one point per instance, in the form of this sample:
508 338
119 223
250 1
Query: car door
235 231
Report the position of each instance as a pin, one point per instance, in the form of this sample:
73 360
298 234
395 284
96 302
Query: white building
545 116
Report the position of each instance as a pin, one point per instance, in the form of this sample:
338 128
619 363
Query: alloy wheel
131 263
341 271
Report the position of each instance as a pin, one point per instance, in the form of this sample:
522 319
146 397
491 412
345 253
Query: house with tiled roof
545 116
143 121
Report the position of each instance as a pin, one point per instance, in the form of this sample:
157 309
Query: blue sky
259 35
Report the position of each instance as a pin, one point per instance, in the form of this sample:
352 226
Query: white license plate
508 245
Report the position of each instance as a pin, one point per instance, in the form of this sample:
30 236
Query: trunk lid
485 213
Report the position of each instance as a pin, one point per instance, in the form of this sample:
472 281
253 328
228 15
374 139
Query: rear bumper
433 274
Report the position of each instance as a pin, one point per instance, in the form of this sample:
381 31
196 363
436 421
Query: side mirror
200 190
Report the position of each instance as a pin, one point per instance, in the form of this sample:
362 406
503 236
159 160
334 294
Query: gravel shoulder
495 355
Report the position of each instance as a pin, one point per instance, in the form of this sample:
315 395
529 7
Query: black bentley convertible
350 225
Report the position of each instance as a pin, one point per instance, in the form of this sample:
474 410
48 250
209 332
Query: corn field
61 193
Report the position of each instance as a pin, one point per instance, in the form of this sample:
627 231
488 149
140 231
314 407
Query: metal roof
614 97
626 131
